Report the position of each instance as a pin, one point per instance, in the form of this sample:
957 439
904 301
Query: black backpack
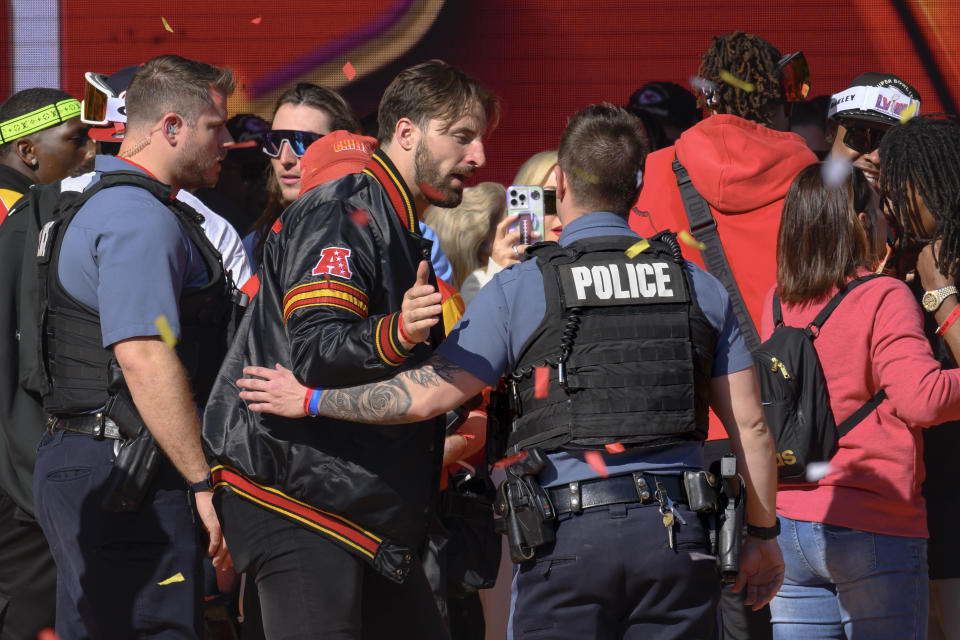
794 391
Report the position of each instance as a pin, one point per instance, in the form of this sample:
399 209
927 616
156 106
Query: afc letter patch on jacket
334 261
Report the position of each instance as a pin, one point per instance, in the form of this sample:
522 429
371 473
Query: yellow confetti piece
177 577
166 25
909 112
689 240
166 333
734 81
592 179
637 248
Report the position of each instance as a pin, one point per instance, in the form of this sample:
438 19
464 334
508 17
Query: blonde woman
466 232
505 248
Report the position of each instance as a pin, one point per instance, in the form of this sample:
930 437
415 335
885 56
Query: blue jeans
844 583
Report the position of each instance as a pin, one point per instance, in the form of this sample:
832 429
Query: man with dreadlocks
920 179
740 159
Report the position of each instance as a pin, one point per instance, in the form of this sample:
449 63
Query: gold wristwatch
932 300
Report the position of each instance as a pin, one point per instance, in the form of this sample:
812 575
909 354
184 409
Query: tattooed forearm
411 396
384 402
432 372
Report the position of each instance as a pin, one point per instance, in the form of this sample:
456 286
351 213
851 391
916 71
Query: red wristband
403 334
942 329
306 401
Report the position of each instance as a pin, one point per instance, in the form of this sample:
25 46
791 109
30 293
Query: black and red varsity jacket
331 284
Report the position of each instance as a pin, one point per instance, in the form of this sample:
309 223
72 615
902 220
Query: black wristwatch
204 485
764 533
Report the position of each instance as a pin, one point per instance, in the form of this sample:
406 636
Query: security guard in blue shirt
636 343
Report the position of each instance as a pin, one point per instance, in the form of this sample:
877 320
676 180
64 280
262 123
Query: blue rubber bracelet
315 400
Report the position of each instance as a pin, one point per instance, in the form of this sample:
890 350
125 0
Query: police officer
635 343
41 140
129 263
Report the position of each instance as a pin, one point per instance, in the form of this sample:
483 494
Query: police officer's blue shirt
506 312
126 256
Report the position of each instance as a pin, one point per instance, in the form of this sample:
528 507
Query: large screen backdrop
544 59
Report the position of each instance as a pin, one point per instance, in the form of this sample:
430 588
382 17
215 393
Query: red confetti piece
614 447
431 192
48 634
468 436
246 144
349 71
595 460
541 378
360 217
509 460
256 20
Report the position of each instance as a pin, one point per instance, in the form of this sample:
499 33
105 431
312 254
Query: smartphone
527 203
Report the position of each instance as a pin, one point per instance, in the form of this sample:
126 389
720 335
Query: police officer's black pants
28 578
611 574
311 588
119 575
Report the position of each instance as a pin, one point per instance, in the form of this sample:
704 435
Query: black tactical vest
81 373
627 350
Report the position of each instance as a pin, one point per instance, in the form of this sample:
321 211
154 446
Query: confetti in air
166 25
702 84
817 471
637 248
177 577
166 333
834 172
614 447
509 460
349 71
256 20
541 380
360 217
589 177
909 112
595 460
689 240
734 81
431 192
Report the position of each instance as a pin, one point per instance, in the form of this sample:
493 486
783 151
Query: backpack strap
703 226
813 329
777 310
858 416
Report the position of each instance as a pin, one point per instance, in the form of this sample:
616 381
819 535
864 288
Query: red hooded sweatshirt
743 170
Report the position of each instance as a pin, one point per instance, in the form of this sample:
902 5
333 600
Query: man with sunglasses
864 112
41 140
739 161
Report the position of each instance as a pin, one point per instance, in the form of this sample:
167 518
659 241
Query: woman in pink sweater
854 541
